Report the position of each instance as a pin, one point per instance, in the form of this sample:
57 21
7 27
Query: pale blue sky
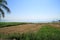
33 10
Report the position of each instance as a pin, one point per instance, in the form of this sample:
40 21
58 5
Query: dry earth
21 28
24 28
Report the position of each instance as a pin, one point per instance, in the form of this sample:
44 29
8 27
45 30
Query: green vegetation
45 33
8 24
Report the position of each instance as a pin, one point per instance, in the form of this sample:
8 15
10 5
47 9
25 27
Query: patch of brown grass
20 28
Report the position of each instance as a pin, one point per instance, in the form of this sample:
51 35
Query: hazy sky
33 10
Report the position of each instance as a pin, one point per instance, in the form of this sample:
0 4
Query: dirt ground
21 28
24 28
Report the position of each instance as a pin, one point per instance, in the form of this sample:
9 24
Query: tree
59 20
3 6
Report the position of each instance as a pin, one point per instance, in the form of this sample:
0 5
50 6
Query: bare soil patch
55 25
21 28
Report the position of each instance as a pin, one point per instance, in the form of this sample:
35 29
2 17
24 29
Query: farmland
8 24
40 31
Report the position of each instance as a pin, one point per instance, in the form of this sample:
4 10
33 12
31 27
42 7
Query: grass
8 24
45 33
48 33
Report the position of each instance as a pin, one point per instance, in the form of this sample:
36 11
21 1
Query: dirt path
21 28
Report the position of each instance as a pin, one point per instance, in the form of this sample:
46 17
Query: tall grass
45 33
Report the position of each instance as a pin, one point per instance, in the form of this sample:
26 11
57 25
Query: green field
45 33
8 24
